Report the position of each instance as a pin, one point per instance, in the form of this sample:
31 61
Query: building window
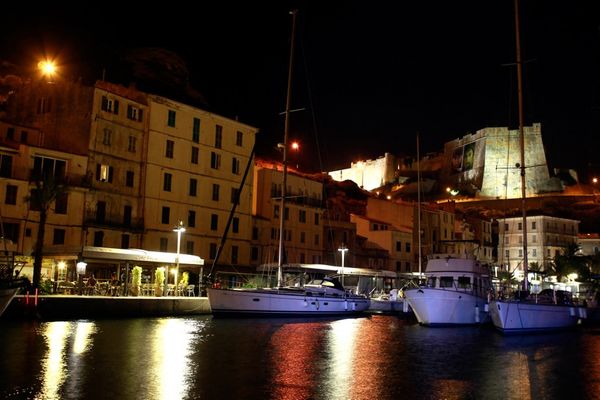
212 251
398 246
10 133
110 105
215 160
235 227
107 137
100 211
533 225
169 149
11 194
61 202
407 247
214 222
302 216
276 211
193 187
239 137
286 214
166 211
189 247
129 178
520 226
506 227
520 239
534 238
44 168
195 152
164 244
235 166
104 173
235 196
520 252
167 180
534 252
302 237
23 136
6 166
234 254
316 218
171 118
218 136
59 236
191 219
99 239
125 241
254 233
317 240
132 143
196 131
254 253
127 215
215 192
134 113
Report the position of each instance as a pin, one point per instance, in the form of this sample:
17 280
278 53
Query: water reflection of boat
455 293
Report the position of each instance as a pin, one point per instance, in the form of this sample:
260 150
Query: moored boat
320 297
456 293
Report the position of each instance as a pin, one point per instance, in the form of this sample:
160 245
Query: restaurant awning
92 253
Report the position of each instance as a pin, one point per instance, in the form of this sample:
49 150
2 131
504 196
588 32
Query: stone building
369 174
546 237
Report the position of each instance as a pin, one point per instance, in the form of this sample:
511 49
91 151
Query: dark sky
370 74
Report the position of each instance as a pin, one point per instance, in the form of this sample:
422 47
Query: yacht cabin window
446 281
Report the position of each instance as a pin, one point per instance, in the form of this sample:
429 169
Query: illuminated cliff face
484 163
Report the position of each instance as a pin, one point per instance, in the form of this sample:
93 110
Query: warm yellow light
61 265
295 146
572 276
448 189
389 197
595 180
47 67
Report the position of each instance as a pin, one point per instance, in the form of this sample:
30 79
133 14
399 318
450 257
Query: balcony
112 221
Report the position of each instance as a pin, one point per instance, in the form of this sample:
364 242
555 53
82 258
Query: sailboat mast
522 145
419 204
285 150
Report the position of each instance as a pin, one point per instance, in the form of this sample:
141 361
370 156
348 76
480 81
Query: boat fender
345 305
353 306
582 312
572 311
486 308
305 302
477 314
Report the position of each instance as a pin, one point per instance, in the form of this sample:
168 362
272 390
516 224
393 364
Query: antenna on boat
285 149
522 146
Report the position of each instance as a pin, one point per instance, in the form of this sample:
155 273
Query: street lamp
343 250
47 68
179 229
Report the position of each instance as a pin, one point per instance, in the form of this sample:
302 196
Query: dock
68 307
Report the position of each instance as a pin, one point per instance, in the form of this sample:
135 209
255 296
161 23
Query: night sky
369 74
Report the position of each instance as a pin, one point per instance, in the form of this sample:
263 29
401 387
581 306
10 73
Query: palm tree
47 189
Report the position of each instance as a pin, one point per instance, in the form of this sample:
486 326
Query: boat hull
515 317
378 306
274 302
438 307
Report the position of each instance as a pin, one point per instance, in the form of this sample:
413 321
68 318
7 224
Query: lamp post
179 229
343 250
80 272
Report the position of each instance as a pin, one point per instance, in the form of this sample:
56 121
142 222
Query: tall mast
419 203
522 146
285 149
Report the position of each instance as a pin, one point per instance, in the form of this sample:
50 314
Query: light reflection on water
379 357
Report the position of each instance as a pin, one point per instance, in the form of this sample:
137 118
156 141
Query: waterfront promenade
64 307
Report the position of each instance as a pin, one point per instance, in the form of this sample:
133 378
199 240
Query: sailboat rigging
321 297
531 313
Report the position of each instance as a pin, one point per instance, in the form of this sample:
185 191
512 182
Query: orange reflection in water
590 362
294 349
370 356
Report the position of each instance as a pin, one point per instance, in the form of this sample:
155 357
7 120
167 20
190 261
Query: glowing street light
179 229
47 68
295 146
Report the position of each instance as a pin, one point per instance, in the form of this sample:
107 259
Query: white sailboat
321 297
456 293
531 313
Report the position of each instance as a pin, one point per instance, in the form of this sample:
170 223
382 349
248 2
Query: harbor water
377 357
